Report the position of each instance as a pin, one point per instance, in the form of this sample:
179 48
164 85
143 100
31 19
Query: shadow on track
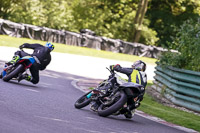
119 118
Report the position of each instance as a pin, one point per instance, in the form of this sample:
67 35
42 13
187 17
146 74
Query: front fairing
3 73
7 69
120 80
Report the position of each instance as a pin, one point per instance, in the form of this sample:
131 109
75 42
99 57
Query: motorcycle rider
42 56
136 74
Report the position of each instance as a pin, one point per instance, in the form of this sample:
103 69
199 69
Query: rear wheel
18 69
120 99
82 101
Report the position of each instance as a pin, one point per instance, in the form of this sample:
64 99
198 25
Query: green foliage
109 18
6 7
149 36
187 41
165 14
51 13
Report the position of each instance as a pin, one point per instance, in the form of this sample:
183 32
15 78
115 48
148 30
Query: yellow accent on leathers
134 76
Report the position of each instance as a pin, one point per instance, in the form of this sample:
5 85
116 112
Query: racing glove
113 67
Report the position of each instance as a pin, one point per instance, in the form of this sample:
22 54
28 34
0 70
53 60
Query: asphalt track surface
48 107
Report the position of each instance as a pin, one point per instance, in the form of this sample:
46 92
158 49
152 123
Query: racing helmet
49 45
139 65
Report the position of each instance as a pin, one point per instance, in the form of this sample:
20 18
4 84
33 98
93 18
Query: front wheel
82 101
14 73
120 100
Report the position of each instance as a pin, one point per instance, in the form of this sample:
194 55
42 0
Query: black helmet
139 65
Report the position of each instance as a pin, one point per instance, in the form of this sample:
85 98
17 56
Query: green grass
16 42
148 105
169 114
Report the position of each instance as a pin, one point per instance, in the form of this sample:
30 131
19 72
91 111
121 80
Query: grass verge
169 114
16 42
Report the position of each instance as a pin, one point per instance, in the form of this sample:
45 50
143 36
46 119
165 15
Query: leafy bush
187 41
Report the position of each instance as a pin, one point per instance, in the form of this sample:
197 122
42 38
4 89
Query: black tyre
14 73
121 99
82 101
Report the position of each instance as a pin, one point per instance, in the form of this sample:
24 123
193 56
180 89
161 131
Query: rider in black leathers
42 56
136 74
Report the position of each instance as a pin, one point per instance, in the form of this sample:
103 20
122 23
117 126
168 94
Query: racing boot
14 60
24 76
129 114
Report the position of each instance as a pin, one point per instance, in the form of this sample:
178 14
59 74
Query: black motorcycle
111 95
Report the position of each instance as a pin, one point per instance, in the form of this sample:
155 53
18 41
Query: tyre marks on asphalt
52 119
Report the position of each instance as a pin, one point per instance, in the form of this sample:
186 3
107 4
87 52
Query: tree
142 8
111 18
6 7
187 41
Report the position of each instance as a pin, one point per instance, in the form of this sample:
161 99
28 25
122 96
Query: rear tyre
109 110
14 73
82 101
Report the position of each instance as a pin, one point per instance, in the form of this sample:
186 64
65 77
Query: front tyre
82 101
14 73
120 100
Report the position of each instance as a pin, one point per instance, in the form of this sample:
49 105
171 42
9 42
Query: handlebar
111 71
